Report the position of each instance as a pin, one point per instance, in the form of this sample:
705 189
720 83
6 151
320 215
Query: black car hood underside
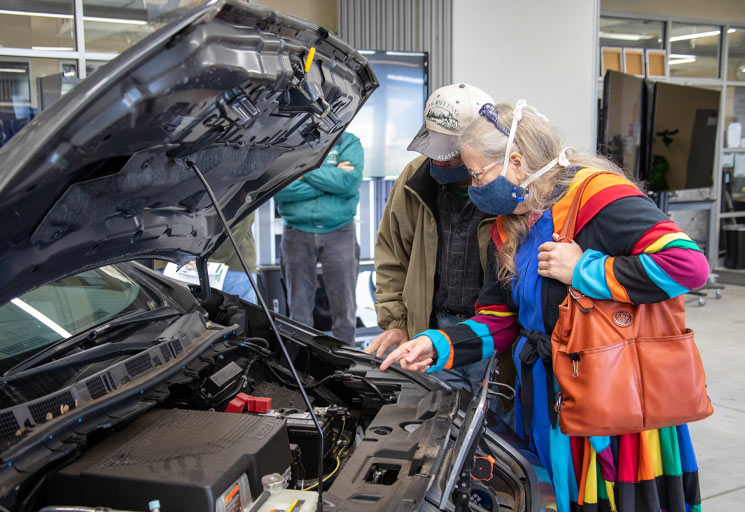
102 175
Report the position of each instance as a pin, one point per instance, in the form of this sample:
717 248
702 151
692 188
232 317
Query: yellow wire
341 432
338 463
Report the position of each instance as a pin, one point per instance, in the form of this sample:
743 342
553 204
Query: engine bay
206 437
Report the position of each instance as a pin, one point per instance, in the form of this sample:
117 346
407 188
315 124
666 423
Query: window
623 43
112 26
631 33
44 26
734 109
736 55
694 50
29 85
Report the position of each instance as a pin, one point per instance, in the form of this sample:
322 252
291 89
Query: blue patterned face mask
445 175
499 197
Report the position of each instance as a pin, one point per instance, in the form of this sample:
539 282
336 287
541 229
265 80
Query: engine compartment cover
185 459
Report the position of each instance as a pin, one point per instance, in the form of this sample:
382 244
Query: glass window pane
625 33
694 50
115 25
631 33
27 86
734 112
37 25
736 57
92 66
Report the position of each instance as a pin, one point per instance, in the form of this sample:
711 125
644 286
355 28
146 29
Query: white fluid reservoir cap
273 482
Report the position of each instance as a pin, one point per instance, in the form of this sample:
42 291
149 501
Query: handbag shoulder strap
571 221
584 302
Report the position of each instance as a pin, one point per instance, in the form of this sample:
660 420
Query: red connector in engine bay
247 403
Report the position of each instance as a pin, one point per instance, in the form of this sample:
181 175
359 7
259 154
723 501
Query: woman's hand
558 259
415 355
385 340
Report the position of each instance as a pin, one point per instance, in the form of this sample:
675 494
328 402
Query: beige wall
321 12
715 10
545 54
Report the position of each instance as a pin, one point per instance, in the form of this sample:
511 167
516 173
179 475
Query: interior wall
321 12
731 10
543 52
403 26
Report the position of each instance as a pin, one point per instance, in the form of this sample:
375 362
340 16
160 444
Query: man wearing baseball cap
430 252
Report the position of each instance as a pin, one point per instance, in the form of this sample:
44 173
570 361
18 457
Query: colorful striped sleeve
493 328
639 255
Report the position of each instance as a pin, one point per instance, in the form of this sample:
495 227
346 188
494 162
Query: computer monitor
394 113
623 126
683 137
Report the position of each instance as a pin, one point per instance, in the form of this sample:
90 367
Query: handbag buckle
559 402
574 358
575 294
584 303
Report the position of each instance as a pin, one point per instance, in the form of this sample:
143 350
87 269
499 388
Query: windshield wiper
133 317
90 355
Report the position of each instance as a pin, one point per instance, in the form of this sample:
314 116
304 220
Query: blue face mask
445 175
499 197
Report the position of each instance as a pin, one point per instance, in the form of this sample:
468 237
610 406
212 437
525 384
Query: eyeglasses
475 175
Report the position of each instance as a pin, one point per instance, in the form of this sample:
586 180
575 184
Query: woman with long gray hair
624 249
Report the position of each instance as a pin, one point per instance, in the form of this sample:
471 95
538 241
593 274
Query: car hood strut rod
273 326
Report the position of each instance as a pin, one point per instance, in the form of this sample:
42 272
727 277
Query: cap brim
437 146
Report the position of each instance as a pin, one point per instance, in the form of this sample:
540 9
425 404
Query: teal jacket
326 198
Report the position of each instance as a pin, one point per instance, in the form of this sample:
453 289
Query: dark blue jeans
237 283
339 255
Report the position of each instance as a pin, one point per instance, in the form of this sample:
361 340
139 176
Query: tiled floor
720 439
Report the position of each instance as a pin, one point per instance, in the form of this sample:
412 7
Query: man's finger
373 345
384 345
392 358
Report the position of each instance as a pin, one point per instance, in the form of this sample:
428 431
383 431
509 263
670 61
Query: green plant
660 164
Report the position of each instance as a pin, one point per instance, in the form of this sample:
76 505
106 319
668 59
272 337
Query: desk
712 248
712 240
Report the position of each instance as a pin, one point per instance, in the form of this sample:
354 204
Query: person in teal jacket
318 211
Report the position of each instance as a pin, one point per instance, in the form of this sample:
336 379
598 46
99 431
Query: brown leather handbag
624 368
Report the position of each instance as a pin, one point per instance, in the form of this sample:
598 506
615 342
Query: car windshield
64 308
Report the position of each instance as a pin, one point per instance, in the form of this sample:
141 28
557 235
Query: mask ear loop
562 160
517 114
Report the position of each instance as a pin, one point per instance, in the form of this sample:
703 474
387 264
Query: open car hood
102 175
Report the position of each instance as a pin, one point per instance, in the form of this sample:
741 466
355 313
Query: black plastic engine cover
185 459
402 453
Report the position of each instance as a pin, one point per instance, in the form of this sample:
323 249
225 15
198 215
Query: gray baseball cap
448 111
